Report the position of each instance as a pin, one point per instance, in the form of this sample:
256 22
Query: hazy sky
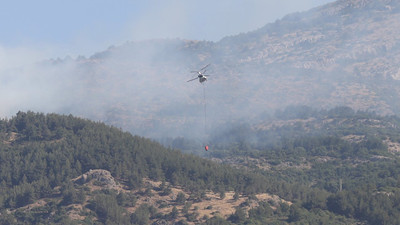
82 27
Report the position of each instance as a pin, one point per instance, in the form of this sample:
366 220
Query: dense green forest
40 152
336 160
341 155
328 178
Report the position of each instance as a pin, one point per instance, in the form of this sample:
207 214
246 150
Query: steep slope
40 155
334 166
354 34
64 170
353 155
342 53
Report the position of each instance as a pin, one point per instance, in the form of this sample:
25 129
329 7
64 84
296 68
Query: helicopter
200 74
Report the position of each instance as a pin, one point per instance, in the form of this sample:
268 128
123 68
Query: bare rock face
99 177
161 222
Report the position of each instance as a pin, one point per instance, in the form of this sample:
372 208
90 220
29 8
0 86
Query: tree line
40 152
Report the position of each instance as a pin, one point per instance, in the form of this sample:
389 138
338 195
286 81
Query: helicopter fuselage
200 74
202 78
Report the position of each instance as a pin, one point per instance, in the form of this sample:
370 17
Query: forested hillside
40 152
266 164
328 179
349 159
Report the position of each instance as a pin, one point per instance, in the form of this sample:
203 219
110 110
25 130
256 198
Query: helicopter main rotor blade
205 67
192 79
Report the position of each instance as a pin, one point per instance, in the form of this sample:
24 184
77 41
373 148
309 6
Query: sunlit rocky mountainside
343 53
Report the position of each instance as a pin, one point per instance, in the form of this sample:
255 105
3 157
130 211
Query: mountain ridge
344 53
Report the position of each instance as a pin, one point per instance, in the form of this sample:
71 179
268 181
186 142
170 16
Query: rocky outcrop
99 177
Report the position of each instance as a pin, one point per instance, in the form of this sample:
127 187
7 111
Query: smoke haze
141 86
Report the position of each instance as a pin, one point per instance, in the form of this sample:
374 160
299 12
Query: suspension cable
205 118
